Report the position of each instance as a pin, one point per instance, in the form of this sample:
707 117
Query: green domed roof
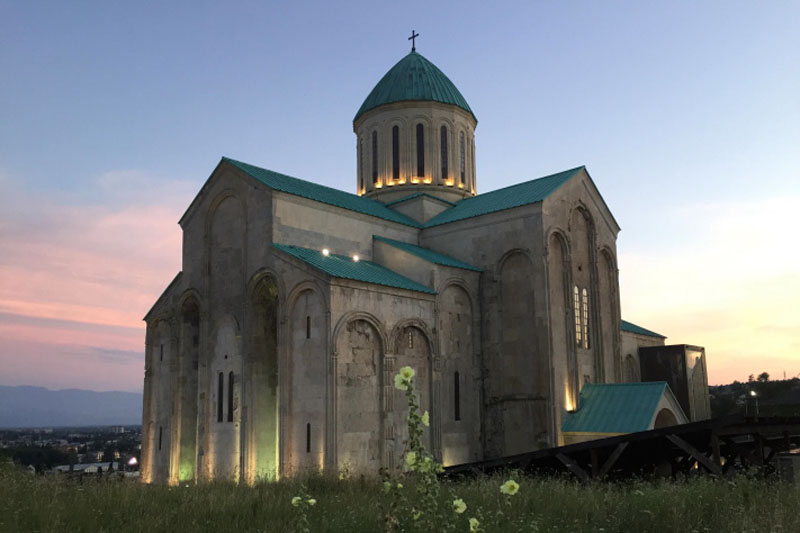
414 78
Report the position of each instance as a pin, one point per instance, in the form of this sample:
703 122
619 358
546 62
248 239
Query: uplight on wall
326 252
355 258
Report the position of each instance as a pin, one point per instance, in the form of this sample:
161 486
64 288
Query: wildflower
510 487
474 525
312 501
387 486
411 459
399 485
415 514
459 506
400 383
407 372
296 501
426 419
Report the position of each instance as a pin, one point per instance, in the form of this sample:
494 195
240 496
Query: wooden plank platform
718 446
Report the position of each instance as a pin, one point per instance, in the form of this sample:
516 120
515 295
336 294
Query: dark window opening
160 435
410 338
308 327
456 397
220 387
463 156
161 357
445 170
374 157
230 396
396 152
308 438
420 151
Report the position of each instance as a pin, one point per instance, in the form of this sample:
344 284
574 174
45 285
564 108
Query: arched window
456 397
577 308
463 159
443 143
585 321
420 151
230 396
396 152
360 165
374 157
220 395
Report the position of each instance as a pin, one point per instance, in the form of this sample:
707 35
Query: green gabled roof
417 195
340 266
414 78
615 408
633 328
528 192
321 193
427 255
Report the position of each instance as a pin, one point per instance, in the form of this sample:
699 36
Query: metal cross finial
414 35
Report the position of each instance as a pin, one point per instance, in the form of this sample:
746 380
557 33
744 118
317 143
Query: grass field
29 503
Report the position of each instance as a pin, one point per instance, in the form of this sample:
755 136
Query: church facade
273 350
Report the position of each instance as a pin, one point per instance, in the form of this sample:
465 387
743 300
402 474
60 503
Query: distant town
74 451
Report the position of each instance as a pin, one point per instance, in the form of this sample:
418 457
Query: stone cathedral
273 350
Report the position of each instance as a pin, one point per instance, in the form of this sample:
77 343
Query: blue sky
686 114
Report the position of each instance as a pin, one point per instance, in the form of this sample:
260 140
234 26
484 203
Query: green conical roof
414 78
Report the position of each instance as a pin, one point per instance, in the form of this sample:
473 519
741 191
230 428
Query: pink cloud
94 270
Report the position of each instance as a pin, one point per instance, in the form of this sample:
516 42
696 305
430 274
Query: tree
763 377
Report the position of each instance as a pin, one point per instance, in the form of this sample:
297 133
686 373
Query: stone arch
562 324
457 328
301 287
190 311
307 369
608 320
358 393
259 276
263 375
412 345
585 307
665 418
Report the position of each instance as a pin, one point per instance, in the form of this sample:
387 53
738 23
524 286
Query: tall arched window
374 157
577 307
463 159
585 321
230 396
443 144
220 395
420 151
360 165
396 152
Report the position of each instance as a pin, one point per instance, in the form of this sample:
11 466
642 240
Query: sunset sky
112 115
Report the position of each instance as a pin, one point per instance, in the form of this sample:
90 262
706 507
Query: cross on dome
414 35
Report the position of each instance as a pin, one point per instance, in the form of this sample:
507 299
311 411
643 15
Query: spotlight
355 258
326 252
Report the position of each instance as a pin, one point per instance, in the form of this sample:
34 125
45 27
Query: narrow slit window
577 309
445 169
456 397
463 159
360 165
410 338
420 151
396 152
161 356
220 392
160 435
230 396
308 327
585 321
308 438
374 157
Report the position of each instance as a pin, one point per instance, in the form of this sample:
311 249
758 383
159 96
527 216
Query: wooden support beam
612 459
594 457
573 467
694 452
715 454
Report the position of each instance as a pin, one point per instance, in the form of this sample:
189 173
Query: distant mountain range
25 406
